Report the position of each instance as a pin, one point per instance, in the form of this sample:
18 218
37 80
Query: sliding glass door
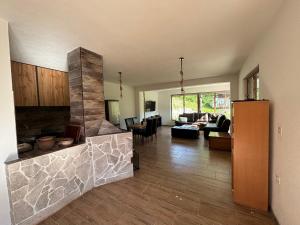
191 103
215 103
176 106
184 104
222 104
207 102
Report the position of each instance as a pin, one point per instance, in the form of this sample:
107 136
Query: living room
202 103
240 60
165 100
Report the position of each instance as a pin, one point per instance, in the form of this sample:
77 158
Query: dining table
139 126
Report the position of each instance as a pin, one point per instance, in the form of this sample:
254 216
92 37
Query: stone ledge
40 186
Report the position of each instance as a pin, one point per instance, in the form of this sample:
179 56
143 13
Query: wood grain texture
24 84
93 91
86 90
180 182
53 87
251 153
219 141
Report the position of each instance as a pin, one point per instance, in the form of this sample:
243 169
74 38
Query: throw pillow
183 119
203 118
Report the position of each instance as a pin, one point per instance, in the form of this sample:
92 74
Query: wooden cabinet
37 86
24 84
53 87
250 153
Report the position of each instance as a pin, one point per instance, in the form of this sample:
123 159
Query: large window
187 103
190 103
177 106
215 103
209 102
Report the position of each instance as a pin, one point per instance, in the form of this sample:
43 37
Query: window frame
172 105
199 103
215 96
253 76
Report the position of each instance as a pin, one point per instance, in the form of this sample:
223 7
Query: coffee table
185 131
219 141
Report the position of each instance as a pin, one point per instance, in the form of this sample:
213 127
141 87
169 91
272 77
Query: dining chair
154 127
135 120
147 131
129 123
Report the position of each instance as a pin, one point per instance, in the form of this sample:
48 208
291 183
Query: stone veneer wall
40 186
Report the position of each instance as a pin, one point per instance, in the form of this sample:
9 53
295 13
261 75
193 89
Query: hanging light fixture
121 88
181 75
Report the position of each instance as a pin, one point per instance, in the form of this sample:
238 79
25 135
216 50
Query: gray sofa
192 118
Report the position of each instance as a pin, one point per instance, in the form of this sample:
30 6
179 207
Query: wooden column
86 90
144 98
214 102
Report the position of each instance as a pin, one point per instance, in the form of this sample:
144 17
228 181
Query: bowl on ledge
46 143
24 147
64 142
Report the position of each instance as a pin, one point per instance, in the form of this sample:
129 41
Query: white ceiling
141 38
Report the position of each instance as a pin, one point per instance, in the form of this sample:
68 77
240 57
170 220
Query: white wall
278 55
164 98
231 78
127 103
8 141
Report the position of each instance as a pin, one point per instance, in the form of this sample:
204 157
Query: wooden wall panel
24 84
53 87
75 84
93 91
251 153
87 90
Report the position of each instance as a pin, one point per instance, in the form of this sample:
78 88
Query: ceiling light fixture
181 74
121 88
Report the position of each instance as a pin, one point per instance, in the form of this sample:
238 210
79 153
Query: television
150 106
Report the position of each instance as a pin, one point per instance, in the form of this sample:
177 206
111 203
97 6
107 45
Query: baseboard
276 220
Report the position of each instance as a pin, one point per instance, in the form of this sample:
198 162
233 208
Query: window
177 106
222 104
252 84
190 103
210 102
215 103
207 103
187 103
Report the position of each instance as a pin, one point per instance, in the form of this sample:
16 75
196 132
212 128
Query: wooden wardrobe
250 153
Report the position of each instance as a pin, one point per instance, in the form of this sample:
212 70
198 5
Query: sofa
222 124
192 118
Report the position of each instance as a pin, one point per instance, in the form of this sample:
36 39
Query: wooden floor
179 182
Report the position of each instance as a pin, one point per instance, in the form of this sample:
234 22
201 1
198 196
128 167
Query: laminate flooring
180 182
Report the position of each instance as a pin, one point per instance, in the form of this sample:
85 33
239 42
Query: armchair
222 125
